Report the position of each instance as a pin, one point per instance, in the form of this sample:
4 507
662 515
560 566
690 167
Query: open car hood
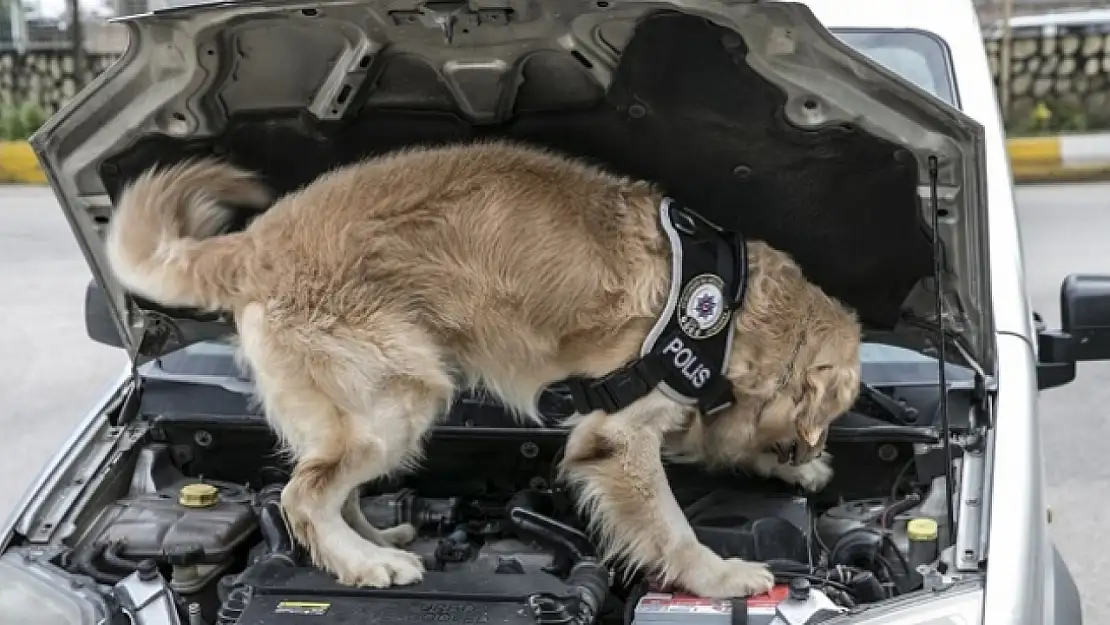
751 113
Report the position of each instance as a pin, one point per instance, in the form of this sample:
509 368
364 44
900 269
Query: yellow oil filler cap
198 495
921 529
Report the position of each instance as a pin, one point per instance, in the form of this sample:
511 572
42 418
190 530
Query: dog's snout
784 452
804 452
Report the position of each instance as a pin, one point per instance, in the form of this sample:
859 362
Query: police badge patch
702 311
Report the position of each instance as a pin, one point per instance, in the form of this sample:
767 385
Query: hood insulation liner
684 110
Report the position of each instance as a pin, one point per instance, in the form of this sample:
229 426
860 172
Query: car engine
524 559
192 518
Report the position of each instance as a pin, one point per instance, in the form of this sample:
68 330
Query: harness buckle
616 391
590 395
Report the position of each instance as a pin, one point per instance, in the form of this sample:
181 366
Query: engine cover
505 581
302 595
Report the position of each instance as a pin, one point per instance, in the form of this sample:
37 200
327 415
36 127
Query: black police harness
686 353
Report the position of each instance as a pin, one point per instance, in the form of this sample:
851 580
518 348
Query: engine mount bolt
203 438
888 453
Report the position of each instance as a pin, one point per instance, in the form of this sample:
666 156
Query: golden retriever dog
365 300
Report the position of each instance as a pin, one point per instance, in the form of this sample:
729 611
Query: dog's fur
363 299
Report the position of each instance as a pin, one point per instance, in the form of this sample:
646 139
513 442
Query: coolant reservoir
922 535
207 520
194 527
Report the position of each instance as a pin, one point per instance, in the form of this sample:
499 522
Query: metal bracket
159 332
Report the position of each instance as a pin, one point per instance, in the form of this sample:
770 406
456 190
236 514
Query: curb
18 164
1065 158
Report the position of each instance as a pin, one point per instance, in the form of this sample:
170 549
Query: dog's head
795 367
818 384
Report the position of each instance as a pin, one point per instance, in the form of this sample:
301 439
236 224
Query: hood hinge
158 335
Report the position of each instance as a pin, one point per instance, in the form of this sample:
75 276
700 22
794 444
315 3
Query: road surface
52 372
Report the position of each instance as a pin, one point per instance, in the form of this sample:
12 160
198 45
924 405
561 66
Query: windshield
917 56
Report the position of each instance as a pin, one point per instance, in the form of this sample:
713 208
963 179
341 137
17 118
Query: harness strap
685 355
616 390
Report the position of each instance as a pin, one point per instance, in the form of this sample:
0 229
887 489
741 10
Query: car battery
674 608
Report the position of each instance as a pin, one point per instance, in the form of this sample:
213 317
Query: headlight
40 594
961 604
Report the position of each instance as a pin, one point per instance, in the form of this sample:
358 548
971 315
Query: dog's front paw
812 476
728 578
379 567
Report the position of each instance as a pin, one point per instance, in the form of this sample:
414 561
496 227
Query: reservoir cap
921 529
198 495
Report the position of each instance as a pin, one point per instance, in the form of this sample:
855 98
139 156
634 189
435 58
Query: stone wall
46 77
1058 82
44 73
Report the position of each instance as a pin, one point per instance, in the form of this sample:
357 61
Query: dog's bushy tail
163 241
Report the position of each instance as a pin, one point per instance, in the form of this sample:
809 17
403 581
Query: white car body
1027 583
1021 583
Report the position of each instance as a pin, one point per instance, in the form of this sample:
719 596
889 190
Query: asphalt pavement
51 373
1065 230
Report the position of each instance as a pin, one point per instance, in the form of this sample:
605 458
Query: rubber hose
271 523
85 565
113 557
232 609
898 507
590 581
859 547
867 588
554 534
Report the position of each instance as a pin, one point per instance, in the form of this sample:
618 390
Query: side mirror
1085 332
1085 315
181 326
99 325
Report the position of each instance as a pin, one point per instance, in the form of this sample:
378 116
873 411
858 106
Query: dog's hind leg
615 463
351 406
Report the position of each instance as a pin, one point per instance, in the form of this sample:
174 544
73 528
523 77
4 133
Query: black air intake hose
275 533
859 547
86 565
559 537
232 609
588 577
590 580
281 552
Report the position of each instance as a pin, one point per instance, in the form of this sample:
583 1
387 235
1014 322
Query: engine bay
171 514
193 515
